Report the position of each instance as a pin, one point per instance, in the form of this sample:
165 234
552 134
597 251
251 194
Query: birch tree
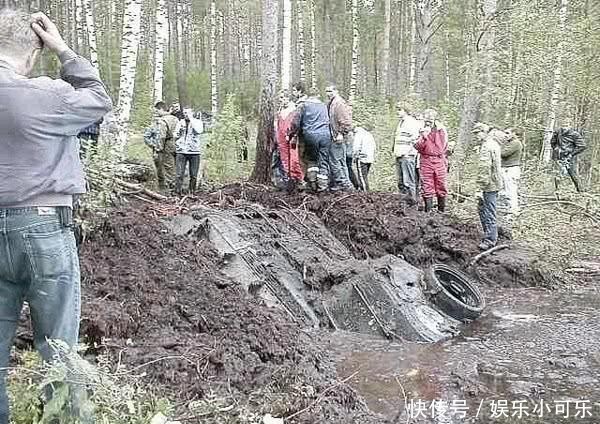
301 52
546 152
286 54
79 24
313 49
385 77
90 25
266 130
213 59
355 53
428 22
129 53
162 35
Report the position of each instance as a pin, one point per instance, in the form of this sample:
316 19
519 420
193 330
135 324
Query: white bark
213 59
546 153
355 47
301 52
286 54
385 77
162 35
79 24
413 51
447 66
313 50
91 31
129 53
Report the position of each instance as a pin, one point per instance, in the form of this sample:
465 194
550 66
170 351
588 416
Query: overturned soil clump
372 225
159 303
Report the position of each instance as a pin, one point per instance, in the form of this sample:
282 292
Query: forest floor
158 299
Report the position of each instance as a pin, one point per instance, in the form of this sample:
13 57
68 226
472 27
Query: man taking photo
40 172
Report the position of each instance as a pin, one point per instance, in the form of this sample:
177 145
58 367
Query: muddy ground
159 302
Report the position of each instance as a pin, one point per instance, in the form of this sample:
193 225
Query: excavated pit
300 268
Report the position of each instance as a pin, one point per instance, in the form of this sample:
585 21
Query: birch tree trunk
412 73
79 25
129 53
355 47
266 129
162 34
427 25
301 52
177 50
546 153
313 49
90 25
213 59
286 54
385 77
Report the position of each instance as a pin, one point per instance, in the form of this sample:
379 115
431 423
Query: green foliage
96 392
143 107
226 141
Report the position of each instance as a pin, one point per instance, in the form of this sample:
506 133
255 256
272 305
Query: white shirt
364 146
407 134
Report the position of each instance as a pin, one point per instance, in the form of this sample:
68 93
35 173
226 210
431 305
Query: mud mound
160 304
375 224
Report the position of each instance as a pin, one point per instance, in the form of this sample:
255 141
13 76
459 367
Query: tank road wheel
454 293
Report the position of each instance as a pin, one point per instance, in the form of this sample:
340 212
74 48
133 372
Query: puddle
533 350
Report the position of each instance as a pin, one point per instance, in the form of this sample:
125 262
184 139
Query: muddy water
533 357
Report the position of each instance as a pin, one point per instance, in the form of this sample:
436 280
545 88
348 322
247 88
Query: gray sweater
39 122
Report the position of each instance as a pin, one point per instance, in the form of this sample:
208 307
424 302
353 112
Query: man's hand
48 32
339 138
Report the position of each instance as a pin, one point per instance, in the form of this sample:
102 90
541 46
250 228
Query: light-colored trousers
509 196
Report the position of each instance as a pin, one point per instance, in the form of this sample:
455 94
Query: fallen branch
488 252
321 396
405 401
142 189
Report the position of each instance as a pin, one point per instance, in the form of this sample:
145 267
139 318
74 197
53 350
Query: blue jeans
338 166
487 215
38 264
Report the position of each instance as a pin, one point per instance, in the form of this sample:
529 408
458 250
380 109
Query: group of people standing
317 147
177 139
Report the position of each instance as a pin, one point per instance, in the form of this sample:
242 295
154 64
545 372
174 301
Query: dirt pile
375 224
162 307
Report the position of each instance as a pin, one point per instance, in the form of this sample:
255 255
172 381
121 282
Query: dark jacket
512 150
311 118
566 143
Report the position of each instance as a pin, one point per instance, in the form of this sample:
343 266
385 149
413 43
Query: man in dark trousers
567 144
40 172
311 122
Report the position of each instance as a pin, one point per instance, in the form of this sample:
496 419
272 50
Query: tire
454 293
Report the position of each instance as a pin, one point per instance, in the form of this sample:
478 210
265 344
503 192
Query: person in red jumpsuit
432 145
288 151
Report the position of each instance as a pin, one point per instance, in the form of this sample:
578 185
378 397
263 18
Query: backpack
152 137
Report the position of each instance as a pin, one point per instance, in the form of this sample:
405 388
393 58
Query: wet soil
372 225
160 305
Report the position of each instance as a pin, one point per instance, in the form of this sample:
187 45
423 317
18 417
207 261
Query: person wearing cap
188 147
490 180
432 145
40 173
407 133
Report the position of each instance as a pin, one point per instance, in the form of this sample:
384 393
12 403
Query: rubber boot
192 185
428 204
441 204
